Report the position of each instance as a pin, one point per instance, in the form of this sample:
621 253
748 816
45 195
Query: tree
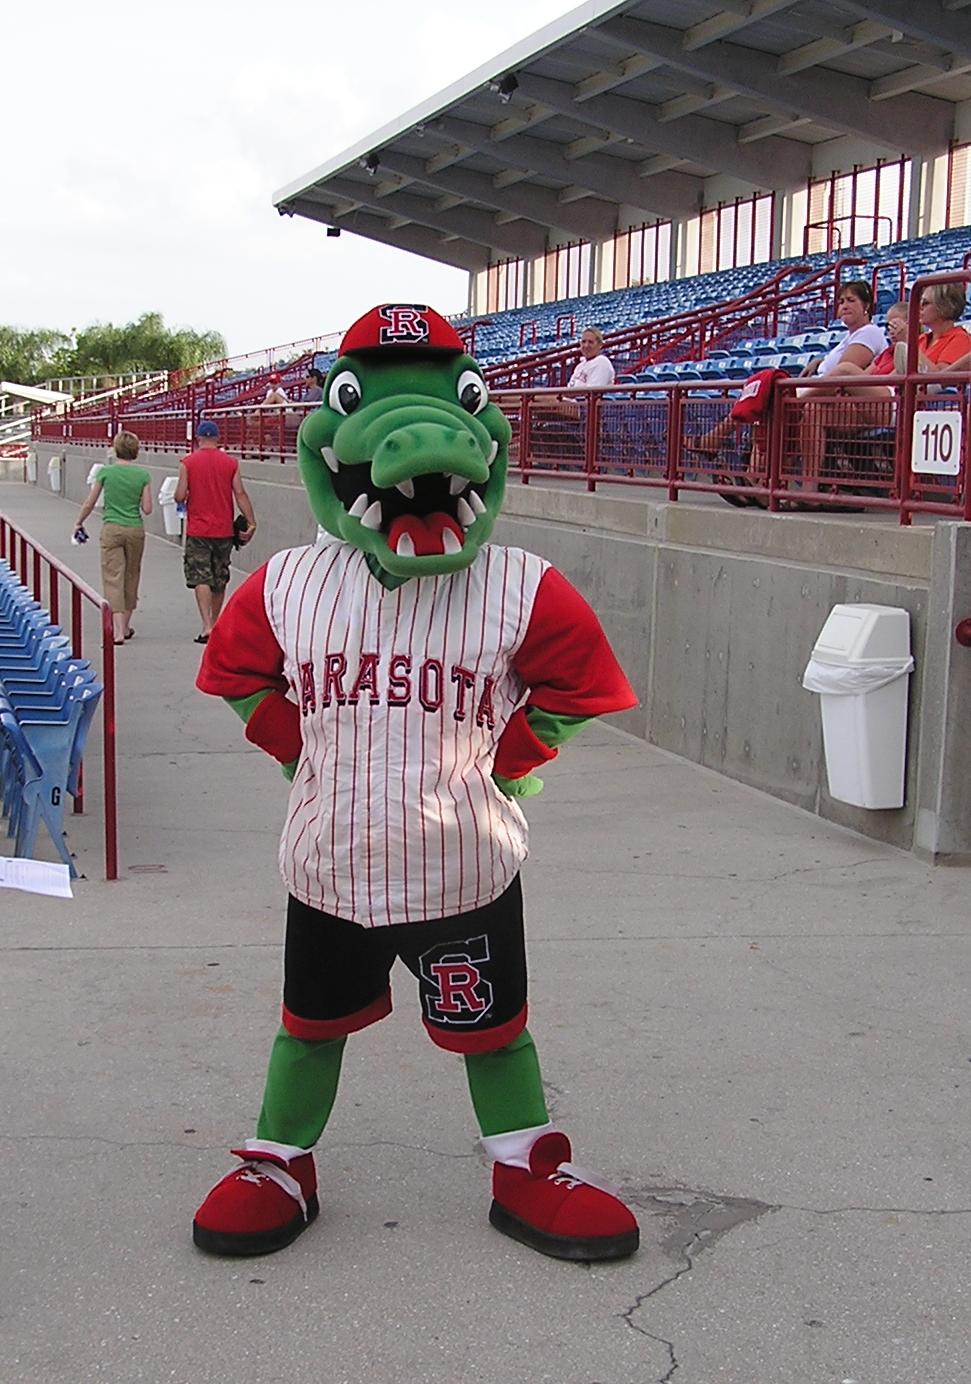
28 357
104 349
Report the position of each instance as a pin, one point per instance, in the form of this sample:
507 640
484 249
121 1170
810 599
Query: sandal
736 480
201 639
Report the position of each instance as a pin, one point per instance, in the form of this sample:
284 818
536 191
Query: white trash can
54 473
171 512
92 477
32 468
859 666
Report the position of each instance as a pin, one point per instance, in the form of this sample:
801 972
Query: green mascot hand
288 770
526 787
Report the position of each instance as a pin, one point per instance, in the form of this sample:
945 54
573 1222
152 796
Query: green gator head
406 458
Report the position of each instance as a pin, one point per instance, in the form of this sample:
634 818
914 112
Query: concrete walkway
756 1023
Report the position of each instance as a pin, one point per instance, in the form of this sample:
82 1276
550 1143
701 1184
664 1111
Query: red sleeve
275 727
565 659
242 655
519 749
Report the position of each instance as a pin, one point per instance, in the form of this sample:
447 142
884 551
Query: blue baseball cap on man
207 429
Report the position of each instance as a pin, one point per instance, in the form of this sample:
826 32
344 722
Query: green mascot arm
549 732
572 675
243 664
273 723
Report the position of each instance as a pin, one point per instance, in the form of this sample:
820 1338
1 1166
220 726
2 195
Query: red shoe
540 1199
262 1206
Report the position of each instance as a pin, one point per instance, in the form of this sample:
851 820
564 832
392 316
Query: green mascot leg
301 1086
506 1087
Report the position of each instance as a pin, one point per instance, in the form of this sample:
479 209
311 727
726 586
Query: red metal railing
764 310
822 446
31 562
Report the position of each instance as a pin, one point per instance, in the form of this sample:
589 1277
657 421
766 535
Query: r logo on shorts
453 987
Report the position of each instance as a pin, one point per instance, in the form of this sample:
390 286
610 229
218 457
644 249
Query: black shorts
471 972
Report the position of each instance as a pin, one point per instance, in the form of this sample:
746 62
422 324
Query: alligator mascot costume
408 676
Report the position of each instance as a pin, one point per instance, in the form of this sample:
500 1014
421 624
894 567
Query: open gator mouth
421 516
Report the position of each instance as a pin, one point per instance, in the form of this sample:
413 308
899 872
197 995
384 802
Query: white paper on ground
35 877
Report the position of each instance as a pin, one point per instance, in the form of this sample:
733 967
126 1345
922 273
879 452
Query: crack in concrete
697 1220
641 1298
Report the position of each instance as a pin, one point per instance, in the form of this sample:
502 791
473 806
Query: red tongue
426 533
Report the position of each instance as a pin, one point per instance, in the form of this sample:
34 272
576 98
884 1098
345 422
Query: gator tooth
330 456
492 453
406 546
477 502
359 507
407 489
371 518
451 543
466 514
457 484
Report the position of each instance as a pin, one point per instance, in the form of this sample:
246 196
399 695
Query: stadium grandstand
695 180
698 180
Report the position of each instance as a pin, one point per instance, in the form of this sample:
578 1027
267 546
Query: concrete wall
713 612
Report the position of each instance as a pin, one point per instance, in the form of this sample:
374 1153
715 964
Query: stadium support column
921 174
942 829
678 269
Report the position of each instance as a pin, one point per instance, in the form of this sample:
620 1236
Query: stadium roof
635 104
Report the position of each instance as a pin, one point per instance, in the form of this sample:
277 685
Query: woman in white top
594 370
851 356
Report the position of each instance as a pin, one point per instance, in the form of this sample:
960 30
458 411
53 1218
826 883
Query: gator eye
472 391
344 394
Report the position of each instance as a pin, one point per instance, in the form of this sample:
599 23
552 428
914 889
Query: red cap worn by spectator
751 404
274 378
410 326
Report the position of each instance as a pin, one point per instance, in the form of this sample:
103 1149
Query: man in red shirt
209 482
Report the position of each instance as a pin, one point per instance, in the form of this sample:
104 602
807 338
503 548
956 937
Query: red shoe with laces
542 1200
261 1206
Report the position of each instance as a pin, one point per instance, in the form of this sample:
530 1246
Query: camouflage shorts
206 562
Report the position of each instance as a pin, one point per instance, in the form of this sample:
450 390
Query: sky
152 138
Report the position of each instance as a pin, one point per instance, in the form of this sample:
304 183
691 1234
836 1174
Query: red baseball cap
274 378
409 326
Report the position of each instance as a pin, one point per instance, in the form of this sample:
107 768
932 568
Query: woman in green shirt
128 495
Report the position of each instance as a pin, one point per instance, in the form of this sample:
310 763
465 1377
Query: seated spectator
594 370
314 386
275 393
863 343
944 342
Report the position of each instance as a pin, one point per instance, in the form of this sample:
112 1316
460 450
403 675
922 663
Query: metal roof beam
460 255
824 49
609 77
711 143
690 102
920 75
674 195
730 21
478 226
922 19
920 125
520 120
768 125
534 203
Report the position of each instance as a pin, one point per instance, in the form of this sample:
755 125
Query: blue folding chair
56 742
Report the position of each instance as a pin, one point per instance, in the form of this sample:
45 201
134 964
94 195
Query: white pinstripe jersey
393 814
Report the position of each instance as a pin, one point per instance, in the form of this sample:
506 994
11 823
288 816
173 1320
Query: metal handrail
30 559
